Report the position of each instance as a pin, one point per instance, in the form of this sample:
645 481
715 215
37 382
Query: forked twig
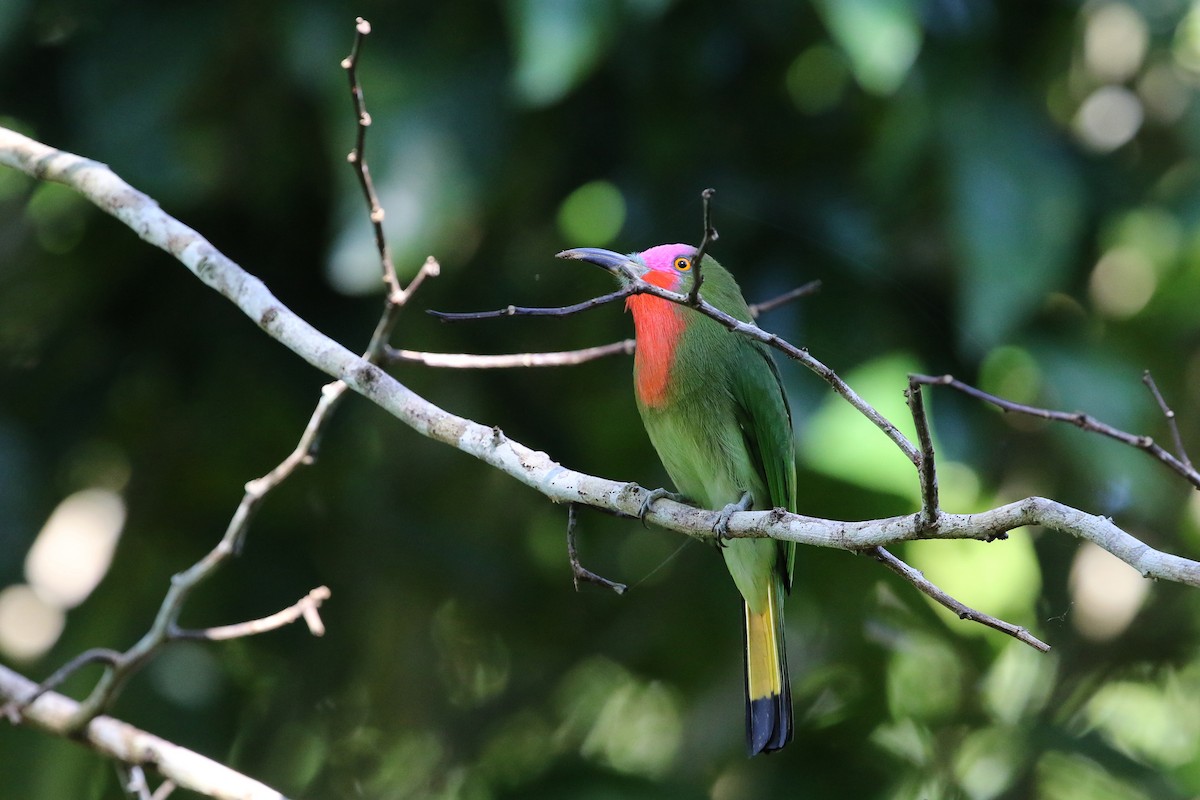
97 655
305 608
1169 415
134 782
1086 422
578 571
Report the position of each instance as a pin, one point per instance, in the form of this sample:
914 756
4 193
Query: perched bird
715 411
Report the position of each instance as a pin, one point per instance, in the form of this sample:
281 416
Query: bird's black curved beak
605 259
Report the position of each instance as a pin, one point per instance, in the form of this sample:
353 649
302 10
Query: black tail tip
768 724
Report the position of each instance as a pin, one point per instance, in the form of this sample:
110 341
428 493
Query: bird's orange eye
683 264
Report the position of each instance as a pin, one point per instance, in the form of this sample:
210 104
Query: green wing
766 422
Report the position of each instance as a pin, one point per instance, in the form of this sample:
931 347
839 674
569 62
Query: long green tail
768 693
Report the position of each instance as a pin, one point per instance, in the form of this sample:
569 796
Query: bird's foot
654 495
721 527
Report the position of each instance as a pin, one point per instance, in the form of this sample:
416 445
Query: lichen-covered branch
120 741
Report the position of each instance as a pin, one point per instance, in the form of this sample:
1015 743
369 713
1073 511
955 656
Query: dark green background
923 158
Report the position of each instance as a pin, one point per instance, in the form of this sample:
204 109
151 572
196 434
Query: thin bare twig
1080 420
1169 415
562 358
927 469
430 269
526 311
358 160
804 290
918 580
578 571
509 360
306 607
710 236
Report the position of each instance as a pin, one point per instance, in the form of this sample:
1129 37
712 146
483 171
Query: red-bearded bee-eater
715 411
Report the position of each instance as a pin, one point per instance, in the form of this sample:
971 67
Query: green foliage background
993 189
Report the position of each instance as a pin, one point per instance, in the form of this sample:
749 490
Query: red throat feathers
658 324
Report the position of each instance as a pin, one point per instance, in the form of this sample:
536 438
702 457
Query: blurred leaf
924 680
592 215
1016 208
557 45
1018 683
841 442
1159 722
988 762
1002 577
1068 777
880 37
474 664
519 749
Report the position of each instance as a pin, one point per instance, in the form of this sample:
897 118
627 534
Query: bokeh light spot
1108 118
592 215
1187 41
987 762
187 674
1066 776
1122 283
1012 373
29 626
75 547
1106 593
958 486
1114 42
817 79
58 217
1165 96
